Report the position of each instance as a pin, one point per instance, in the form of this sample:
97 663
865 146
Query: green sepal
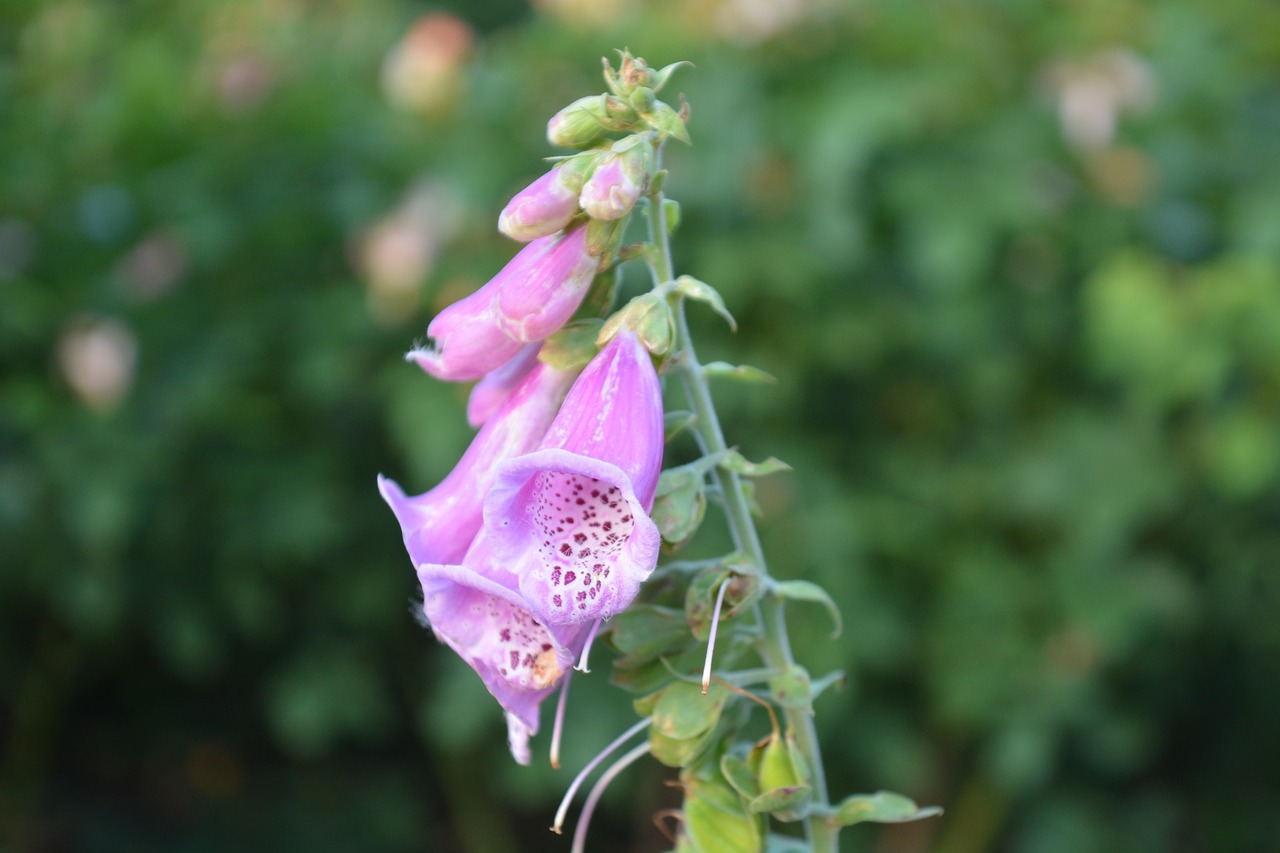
775 770
716 819
649 317
700 599
677 422
601 295
783 777
604 237
739 776
645 632
786 803
801 590
686 723
674 752
663 75
737 372
642 100
679 514
683 712
801 764
692 288
571 347
679 504
791 688
734 461
666 121
881 807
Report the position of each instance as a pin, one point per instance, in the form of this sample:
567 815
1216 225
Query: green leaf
801 590
739 372
692 288
881 807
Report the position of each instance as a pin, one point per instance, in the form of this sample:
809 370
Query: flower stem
775 643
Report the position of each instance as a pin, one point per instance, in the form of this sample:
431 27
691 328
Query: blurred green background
1015 264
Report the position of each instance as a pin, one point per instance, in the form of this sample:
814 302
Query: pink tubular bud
542 208
528 300
533 300
616 185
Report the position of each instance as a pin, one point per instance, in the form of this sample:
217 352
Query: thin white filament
557 728
586 648
711 638
591 765
589 807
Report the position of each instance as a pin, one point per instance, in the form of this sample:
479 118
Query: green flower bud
587 120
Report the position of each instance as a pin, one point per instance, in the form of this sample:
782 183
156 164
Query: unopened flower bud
549 203
618 182
579 124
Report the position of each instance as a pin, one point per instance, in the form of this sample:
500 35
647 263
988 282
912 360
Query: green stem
775 645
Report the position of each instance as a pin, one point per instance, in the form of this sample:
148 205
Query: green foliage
1027 380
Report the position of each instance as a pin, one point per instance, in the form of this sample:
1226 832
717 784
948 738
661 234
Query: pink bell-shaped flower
476 609
571 518
528 300
439 525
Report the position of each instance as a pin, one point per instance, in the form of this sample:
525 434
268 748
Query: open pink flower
439 525
529 299
475 607
570 519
